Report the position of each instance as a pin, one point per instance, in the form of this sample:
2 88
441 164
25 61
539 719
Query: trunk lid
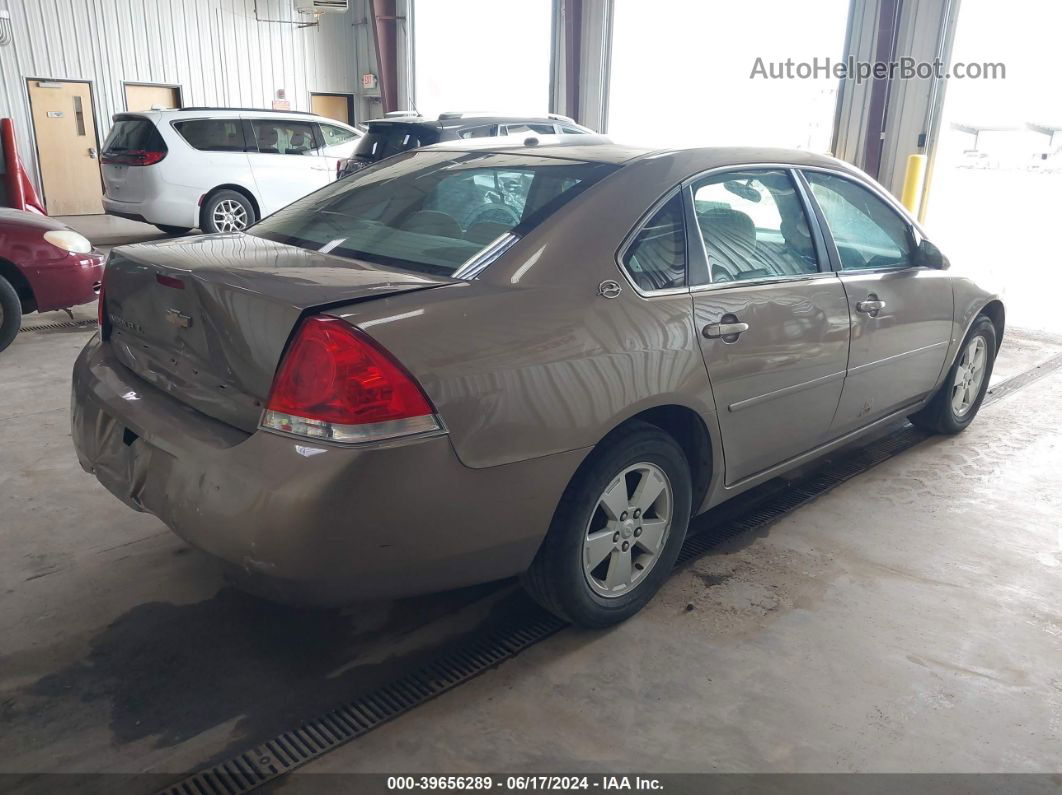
207 319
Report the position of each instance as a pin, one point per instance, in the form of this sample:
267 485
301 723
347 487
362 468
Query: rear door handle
871 306
728 332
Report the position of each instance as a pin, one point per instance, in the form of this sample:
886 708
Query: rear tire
959 398
173 230
10 313
226 211
601 523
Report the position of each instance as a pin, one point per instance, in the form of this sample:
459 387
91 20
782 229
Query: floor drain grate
59 325
292 749
287 751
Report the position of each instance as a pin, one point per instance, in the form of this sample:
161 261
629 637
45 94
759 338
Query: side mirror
928 255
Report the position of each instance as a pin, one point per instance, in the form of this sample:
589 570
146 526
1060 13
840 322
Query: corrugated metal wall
215 50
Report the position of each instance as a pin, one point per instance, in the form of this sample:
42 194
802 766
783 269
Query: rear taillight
134 157
336 383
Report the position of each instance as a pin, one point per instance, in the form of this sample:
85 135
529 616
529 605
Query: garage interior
892 608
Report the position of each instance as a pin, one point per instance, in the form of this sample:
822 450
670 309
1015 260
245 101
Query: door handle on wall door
92 152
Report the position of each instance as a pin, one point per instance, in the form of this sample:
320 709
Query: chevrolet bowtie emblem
177 320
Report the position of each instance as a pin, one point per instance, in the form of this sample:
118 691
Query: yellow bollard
913 182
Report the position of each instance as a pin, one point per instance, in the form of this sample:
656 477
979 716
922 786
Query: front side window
868 232
283 137
333 135
212 135
431 211
656 258
753 226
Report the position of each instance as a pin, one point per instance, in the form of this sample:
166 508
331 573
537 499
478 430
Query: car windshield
384 140
431 211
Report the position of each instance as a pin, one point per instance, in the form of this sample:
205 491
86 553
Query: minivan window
333 135
384 140
524 129
753 226
431 211
283 137
869 234
656 258
212 135
133 135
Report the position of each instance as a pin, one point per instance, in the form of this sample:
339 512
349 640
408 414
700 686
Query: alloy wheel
229 216
628 530
968 376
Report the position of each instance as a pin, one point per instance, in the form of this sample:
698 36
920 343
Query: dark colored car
44 265
401 132
379 391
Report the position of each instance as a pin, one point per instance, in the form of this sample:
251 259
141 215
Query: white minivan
219 169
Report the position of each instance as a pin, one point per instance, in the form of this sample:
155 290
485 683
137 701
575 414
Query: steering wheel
495 213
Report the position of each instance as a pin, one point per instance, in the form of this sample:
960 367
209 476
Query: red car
44 265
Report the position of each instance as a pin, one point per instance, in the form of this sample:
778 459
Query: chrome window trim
806 277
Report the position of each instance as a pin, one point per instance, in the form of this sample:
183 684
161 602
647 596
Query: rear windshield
431 211
384 140
131 135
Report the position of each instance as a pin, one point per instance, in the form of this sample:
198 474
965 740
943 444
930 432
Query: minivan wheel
226 211
10 313
957 401
617 530
173 230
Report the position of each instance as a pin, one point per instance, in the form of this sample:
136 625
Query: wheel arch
17 279
689 431
995 312
241 189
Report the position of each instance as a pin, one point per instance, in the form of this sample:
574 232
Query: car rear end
238 391
146 172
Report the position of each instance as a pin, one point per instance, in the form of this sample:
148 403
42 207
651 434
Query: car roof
174 114
601 149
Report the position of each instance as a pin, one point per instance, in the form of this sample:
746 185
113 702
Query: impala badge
177 320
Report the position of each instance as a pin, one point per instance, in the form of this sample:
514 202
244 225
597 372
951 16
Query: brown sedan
474 361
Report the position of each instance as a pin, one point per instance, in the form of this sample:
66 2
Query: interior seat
730 240
485 231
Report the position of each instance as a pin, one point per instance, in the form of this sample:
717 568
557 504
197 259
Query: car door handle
871 306
724 330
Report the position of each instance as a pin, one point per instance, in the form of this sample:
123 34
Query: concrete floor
908 620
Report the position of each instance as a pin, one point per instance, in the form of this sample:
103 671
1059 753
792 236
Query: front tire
174 231
959 398
617 530
227 211
10 313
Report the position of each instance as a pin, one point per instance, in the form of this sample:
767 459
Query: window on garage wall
482 55
681 72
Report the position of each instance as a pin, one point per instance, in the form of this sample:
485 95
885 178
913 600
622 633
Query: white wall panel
214 50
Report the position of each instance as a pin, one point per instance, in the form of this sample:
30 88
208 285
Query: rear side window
571 131
524 129
283 137
133 135
483 131
656 258
753 226
869 233
334 135
212 135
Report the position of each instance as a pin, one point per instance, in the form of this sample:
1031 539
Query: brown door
139 96
331 106
67 148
